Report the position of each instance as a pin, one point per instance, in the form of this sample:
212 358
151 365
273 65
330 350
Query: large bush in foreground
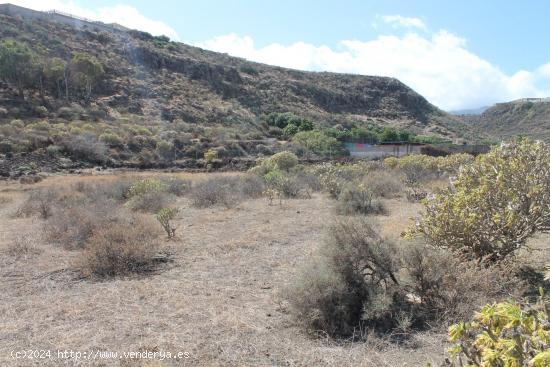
495 204
354 279
360 281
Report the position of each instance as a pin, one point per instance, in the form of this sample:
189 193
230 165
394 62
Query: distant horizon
458 56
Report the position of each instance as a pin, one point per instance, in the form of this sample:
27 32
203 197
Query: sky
458 54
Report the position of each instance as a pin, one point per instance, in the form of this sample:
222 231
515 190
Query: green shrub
495 204
111 139
504 334
247 69
53 150
290 130
148 195
210 155
164 216
319 143
283 160
145 186
41 111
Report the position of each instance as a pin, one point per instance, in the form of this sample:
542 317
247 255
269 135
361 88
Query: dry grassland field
222 291
217 299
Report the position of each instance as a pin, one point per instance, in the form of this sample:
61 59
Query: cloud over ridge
439 66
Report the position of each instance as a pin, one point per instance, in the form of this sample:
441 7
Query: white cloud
438 66
407 22
122 14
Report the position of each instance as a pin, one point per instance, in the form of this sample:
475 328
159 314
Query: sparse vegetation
248 278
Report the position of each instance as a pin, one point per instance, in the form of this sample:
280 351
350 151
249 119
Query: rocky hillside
152 91
526 117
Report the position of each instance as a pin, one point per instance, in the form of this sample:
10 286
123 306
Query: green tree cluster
27 69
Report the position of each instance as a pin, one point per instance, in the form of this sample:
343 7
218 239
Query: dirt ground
219 300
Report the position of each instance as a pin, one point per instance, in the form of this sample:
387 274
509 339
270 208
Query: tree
18 64
495 204
319 143
290 129
86 71
55 71
389 135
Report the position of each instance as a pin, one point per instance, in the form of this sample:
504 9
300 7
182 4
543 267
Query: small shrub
216 191
252 186
164 216
118 190
23 247
148 195
53 150
145 186
39 202
383 184
359 200
448 289
86 148
176 186
111 140
68 113
210 155
30 179
248 69
127 247
41 111
284 160
75 219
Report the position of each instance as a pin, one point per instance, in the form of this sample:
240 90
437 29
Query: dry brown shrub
23 246
30 179
218 190
448 289
5 200
122 248
384 183
40 202
72 225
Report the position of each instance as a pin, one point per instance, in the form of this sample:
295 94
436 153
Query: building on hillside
59 17
375 151
400 149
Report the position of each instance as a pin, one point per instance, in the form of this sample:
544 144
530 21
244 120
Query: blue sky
458 54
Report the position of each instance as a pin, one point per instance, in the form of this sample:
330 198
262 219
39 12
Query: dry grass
219 300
